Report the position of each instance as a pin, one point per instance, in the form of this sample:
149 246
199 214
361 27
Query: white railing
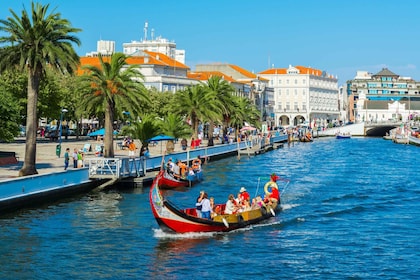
114 167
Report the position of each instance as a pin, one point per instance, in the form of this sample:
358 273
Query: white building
382 97
103 47
158 45
303 96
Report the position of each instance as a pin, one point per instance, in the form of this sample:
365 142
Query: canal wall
28 191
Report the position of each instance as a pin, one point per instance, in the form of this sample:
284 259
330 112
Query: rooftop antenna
145 30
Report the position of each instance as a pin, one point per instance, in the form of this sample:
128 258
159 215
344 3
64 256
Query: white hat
242 189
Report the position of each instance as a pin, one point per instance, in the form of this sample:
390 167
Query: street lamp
58 148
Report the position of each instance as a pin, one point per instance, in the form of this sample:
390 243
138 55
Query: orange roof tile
205 75
152 58
243 71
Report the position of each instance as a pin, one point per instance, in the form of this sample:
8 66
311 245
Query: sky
340 37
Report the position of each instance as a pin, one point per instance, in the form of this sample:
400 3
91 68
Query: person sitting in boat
170 166
196 164
257 202
231 205
182 169
243 195
176 170
204 202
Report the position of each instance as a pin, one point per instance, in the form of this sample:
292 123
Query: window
296 106
304 106
288 105
295 81
296 92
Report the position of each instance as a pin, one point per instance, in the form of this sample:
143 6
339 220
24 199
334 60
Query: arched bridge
380 129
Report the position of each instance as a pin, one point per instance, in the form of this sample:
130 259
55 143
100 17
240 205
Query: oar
284 188
258 185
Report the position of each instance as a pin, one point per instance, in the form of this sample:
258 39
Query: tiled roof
244 72
205 75
152 58
302 70
385 73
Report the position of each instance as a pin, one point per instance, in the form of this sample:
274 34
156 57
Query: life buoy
270 184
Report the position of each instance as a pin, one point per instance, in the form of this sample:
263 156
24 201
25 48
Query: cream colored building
303 96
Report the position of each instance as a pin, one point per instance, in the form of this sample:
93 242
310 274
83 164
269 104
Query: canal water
350 211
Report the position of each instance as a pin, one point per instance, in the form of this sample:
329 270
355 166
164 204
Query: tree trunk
29 167
109 131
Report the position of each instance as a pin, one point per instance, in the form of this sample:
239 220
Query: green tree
114 86
175 126
33 42
143 129
224 93
9 116
197 103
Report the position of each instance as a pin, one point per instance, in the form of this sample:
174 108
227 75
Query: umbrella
247 128
100 132
160 137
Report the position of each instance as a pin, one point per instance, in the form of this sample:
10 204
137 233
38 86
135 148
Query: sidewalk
48 162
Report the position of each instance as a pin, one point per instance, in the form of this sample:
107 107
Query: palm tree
174 126
224 93
143 130
34 42
197 103
114 85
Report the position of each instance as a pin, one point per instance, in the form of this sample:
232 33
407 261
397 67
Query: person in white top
205 206
230 207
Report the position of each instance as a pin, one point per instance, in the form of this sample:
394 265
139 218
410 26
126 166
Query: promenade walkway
48 162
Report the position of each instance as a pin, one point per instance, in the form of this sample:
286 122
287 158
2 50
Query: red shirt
244 196
275 193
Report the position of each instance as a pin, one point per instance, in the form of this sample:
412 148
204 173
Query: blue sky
339 37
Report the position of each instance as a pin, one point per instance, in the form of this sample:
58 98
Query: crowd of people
181 170
207 209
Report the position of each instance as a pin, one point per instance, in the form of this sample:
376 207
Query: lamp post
58 148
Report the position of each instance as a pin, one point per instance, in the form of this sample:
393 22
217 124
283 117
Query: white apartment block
158 45
303 96
383 97
103 47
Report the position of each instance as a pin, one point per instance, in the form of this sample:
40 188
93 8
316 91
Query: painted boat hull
340 136
169 182
174 220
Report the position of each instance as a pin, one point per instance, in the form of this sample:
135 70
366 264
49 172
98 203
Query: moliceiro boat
169 181
175 220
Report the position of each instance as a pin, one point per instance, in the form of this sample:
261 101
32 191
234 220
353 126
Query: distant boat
343 136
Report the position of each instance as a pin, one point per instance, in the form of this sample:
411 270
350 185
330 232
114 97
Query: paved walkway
48 162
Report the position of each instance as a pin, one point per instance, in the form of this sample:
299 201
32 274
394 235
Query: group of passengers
206 208
180 170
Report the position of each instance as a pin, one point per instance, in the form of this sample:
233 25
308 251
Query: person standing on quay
66 158
75 158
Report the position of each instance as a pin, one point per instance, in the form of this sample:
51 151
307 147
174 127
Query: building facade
382 97
158 45
255 87
303 96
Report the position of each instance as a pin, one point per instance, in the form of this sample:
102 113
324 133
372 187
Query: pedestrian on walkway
75 158
66 158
